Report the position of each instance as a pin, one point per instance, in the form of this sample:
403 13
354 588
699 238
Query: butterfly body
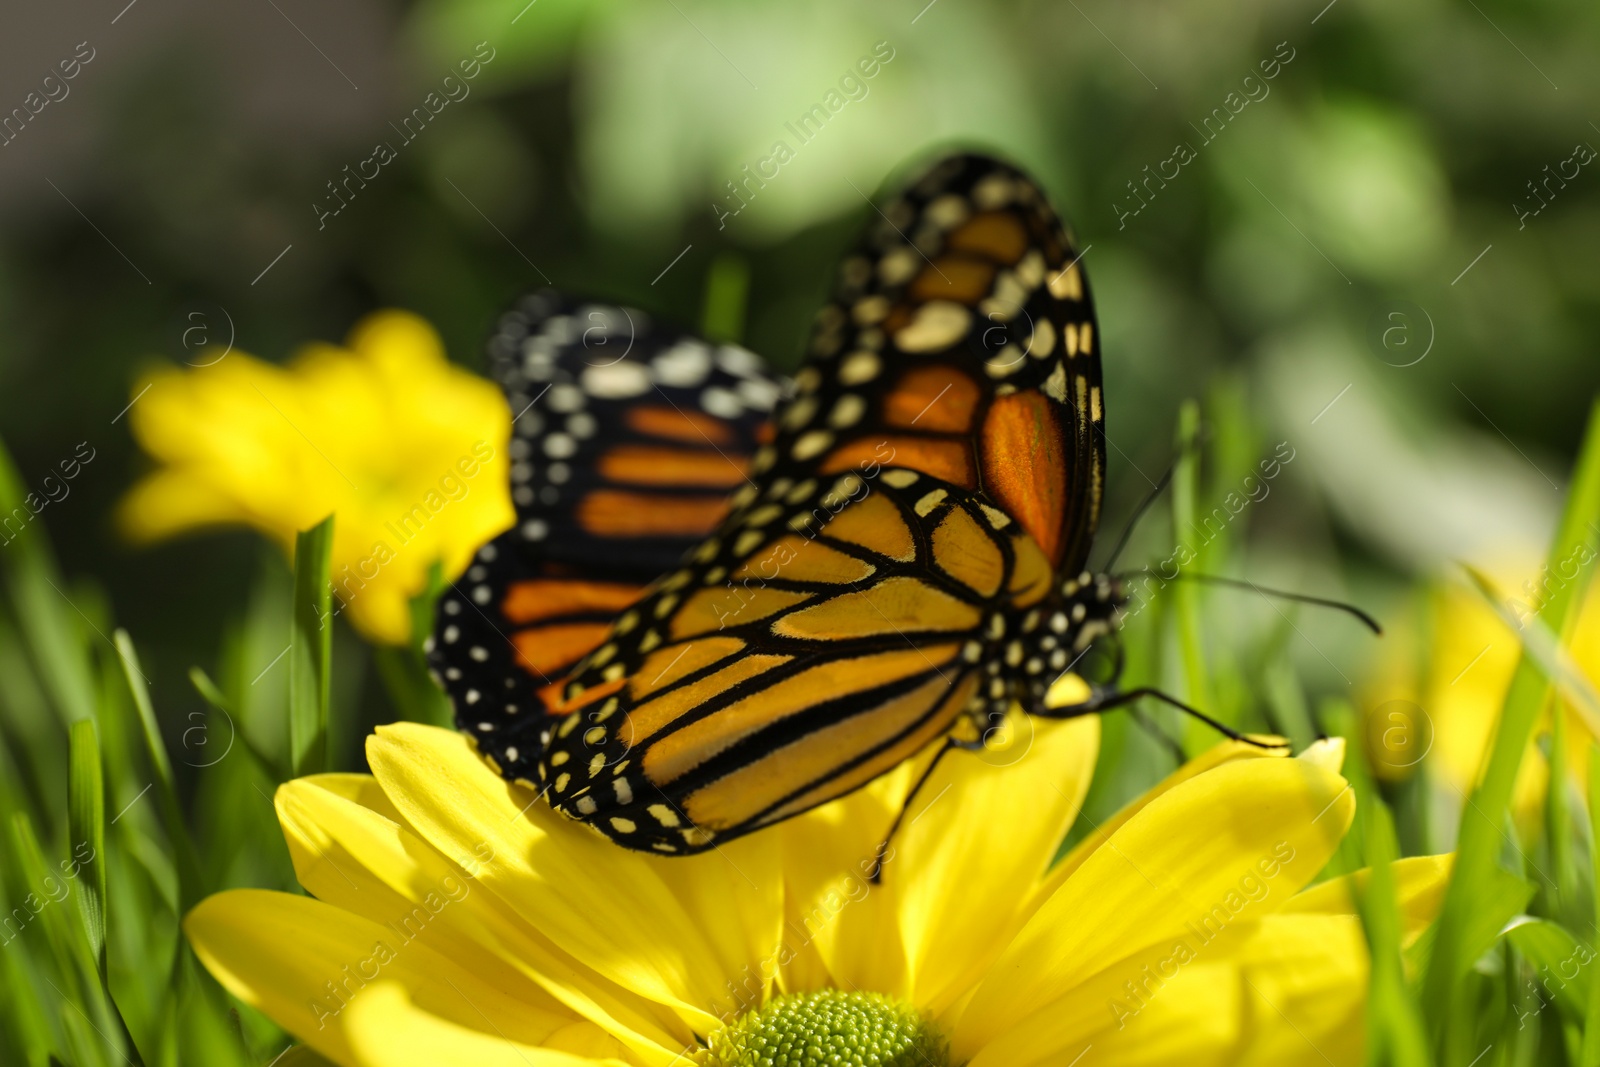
901 560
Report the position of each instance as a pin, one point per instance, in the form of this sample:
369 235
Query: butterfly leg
1102 700
883 847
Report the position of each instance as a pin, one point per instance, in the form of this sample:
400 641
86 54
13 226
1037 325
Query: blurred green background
1315 242
1380 255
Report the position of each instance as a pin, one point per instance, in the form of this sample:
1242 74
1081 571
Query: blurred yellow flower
451 922
406 450
1451 702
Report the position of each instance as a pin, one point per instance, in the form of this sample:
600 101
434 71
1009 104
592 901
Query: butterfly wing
627 437
824 635
629 434
961 342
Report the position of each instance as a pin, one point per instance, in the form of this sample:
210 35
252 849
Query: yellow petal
1420 882
362 789
828 856
370 865
985 827
168 502
1216 756
1214 849
607 906
978 834
734 898
1283 990
1327 753
387 1030
302 962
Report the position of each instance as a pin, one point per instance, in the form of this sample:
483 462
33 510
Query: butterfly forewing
961 342
827 632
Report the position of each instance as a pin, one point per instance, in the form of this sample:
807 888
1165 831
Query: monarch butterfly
902 560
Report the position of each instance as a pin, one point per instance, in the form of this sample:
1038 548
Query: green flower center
829 1028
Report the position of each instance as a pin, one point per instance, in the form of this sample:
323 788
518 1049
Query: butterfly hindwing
629 434
627 437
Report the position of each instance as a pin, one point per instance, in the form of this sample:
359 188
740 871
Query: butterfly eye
1101 663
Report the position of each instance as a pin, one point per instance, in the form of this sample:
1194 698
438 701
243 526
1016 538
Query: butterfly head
1066 636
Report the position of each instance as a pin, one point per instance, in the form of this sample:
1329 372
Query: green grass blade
300 1056
23 1016
1396 1035
1541 645
86 819
24 1013
74 980
165 787
1558 827
310 651
1560 960
50 622
1292 715
1589 1054
405 676
1185 595
1471 887
727 292
212 694
404 670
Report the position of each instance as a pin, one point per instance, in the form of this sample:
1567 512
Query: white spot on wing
616 381
685 364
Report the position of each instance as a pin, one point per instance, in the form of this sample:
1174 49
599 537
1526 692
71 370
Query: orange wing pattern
627 440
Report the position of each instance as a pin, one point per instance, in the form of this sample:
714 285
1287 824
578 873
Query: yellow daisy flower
455 920
407 451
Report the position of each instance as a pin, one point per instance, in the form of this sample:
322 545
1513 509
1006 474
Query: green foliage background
1344 267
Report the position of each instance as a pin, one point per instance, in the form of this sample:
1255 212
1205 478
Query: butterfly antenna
1138 513
1299 598
1160 736
1130 695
